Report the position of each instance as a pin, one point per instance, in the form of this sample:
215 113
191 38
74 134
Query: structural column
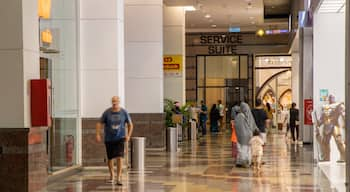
174 45
347 92
144 69
305 80
102 68
23 158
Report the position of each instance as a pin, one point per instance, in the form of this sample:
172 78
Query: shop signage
323 94
172 65
308 109
221 44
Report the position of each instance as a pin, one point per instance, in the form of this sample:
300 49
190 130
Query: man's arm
99 125
130 129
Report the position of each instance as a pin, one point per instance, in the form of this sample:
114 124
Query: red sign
308 108
40 103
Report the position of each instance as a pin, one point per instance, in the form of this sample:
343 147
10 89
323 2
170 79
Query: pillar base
23 159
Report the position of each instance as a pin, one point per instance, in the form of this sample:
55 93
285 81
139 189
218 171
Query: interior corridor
206 165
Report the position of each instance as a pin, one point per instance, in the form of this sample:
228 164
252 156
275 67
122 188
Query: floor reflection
206 165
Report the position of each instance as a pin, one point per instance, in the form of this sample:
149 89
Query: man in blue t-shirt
114 120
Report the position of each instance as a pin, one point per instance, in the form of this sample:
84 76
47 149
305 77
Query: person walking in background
234 112
203 117
245 125
256 144
260 117
269 112
294 122
114 120
221 109
214 119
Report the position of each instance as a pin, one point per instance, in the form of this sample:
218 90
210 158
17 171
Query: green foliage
168 109
168 106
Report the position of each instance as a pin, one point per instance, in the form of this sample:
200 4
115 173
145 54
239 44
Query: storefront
329 92
59 64
273 83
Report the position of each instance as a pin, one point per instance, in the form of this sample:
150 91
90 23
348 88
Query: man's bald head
115 102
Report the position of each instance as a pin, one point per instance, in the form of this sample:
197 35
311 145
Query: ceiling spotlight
189 8
251 18
213 26
260 32
253 22
249 5
207 16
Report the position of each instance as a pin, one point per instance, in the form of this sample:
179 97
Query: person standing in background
203 117
214 119
269 112
221 109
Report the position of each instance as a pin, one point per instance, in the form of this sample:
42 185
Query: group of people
216 117
249 132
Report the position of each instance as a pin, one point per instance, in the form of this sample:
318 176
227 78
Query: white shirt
256 144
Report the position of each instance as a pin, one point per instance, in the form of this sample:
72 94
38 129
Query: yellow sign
172 65
46 36
44 8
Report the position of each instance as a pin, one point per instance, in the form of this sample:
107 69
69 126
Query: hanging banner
172 65
308 109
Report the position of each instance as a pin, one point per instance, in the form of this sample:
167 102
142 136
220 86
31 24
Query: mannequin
332 119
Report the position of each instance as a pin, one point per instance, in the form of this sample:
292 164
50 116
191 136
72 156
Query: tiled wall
146 125
23 159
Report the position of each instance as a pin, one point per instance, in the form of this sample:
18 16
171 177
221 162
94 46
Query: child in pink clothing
256 144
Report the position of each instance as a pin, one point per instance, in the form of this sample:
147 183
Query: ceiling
249 15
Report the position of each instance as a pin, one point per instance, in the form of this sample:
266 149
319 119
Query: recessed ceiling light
207 16
249 5
189 8
213 26
260 32
251 18
253 22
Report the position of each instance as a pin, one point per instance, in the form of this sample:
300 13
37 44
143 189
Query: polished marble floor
206 165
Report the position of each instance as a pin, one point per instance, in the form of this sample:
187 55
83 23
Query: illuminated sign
234 29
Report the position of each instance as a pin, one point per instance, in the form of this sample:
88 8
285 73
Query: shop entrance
273 85
222 78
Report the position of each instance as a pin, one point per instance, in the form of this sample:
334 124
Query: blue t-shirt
203 116
115 124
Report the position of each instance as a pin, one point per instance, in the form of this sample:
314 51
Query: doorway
222 78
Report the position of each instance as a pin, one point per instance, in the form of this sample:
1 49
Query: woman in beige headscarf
245 125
